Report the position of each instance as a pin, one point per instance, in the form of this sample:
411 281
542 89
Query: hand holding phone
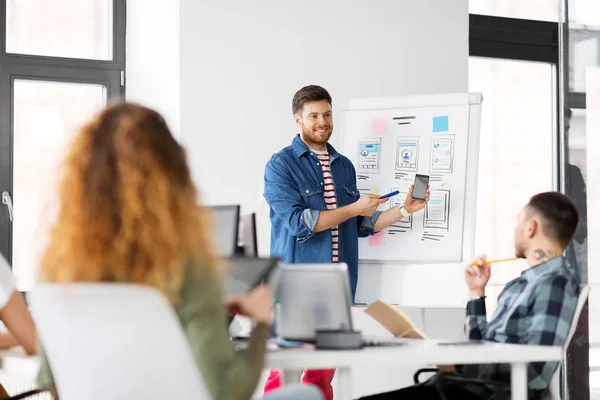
420 187
418 195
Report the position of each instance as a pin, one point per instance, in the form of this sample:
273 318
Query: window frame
514 39
110 73
119 18
538 41
522 40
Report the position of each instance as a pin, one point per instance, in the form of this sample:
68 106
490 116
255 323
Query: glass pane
584 51
594 329
584 12
515 151
582 134
60 28
540 10
594 374
592 140
575 130
46 114
575 178
593 172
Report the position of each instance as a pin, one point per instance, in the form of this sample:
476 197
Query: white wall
153 57
241 63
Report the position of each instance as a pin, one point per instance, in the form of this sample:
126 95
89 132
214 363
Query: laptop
316 297
242 274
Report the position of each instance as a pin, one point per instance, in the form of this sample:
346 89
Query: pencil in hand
474 264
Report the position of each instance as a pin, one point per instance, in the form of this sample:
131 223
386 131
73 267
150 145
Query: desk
417 352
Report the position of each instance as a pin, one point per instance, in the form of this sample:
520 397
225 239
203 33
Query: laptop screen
240 275
312 297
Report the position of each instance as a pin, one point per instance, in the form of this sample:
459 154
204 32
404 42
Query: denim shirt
294 190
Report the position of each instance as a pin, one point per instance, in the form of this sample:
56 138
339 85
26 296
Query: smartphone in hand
420 187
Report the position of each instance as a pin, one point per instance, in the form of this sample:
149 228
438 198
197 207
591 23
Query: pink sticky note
378 125
377 239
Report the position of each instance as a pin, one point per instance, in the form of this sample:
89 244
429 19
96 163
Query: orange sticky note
377 239
378 125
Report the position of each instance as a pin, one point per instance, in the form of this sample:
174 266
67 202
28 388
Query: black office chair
441 378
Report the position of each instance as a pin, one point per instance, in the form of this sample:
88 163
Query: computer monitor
311 297
248 242
226 226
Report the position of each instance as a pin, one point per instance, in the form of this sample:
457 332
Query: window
65 28
516 38
592 139
60 62
46 115
584 52
584 12
541 10
515 153
577 140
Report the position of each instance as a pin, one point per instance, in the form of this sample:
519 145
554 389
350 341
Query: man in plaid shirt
536 308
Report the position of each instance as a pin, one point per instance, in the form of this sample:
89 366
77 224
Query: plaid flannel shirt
536 308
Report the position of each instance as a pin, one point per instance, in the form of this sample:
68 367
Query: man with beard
536 308
317 213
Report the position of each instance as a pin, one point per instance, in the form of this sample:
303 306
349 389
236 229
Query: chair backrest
555 382
583 295
114 341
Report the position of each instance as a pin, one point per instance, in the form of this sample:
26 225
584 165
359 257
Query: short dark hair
308 94
559 215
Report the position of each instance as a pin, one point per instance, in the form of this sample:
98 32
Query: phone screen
420 189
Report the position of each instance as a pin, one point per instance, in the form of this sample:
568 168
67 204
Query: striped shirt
537 308
330 201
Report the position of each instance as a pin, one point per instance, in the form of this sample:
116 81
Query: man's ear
533 227
298 120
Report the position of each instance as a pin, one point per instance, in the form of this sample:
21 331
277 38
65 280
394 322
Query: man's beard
311 137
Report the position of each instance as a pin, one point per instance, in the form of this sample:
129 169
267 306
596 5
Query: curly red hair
128 208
